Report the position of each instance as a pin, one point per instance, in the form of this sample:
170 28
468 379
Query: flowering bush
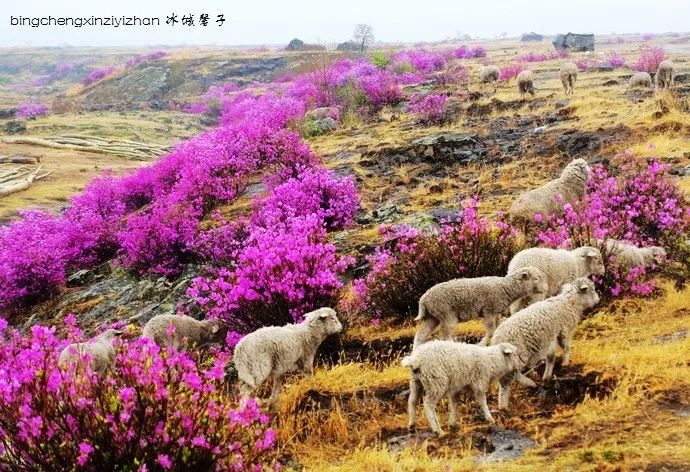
510 71
650 58
423 61
642 205
453 74
410 262
155 410
464 52
30 110
541 57
98 74
615 60
133 61
428 108
60 70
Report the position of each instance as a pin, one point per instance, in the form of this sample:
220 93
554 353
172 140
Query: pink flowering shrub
284 265
650 58
155 410
642 205
29 110
464 52
421 60
430 109
98 74
453 74
541 57
510 71
136 60
615 60
411 261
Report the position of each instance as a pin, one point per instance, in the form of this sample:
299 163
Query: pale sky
327 21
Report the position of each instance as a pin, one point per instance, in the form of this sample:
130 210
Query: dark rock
386 213
610 83
506 444
6 113
682 78
14 127
574 42
321 113
532 37
350 46
562 103
299 45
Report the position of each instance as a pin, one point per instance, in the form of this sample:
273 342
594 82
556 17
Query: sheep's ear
215 328
524 274
507 350
592 253
119 332
583 288
324 315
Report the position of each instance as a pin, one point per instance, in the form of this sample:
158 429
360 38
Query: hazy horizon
273 22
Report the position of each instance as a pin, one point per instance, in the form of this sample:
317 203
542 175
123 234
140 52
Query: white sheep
176 330
447 303
489 75
525 83
627 255
548 199
99 350
538 329
568 77
560 266
277 350
640 80
665 74
444 368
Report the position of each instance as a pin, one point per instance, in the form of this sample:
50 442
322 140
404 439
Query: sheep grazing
665 74
277 350
628 255
550 197
568 77
447 303
99 350
560 266
441 368
640 80
525 82
489 75
538 329
180 330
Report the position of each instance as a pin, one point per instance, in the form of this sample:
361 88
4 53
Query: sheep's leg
415 390
277 384
246 391
524 380
504 392
548 369
446 328
308 365
430 411
517 305
564 342
480 396
490 323
427 327
453 409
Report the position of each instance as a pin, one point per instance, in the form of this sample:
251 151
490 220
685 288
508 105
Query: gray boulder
574 42
531 37
348 46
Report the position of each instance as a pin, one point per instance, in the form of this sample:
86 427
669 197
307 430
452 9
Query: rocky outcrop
574 42
348 46
527 37
299 45
152 85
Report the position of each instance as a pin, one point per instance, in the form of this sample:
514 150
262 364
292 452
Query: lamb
489 75
525 82
442 368
568 77
99 350
277 350
665 74
628 255
536 330
444 304
550 197
559 265
180 330
640 80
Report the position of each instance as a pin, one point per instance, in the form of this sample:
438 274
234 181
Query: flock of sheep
665 76
545 292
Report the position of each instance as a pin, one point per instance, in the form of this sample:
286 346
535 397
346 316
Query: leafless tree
363 35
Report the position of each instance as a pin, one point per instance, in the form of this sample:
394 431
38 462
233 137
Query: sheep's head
216 330
585 291
510 355
533 280
592 262
325 319
110 334
658 254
